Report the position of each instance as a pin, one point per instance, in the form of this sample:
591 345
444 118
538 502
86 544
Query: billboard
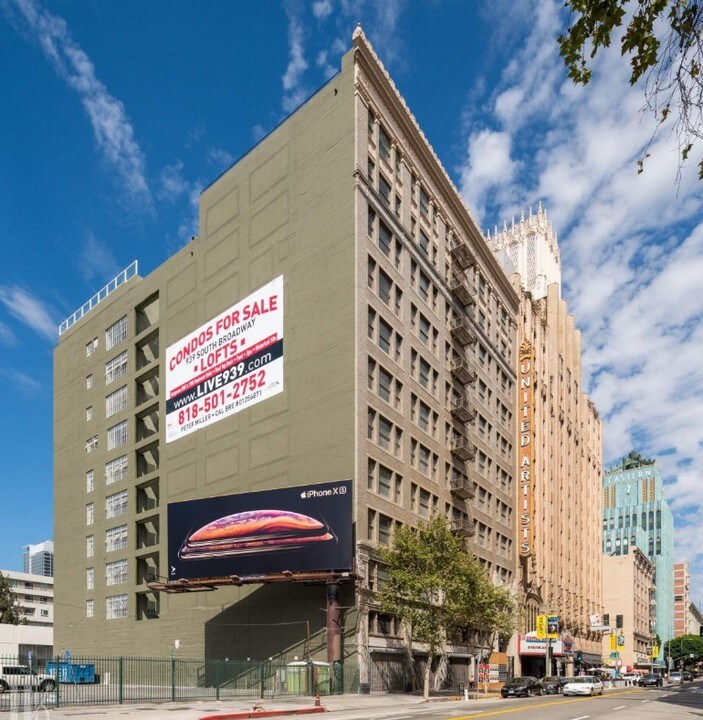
297 529
226 365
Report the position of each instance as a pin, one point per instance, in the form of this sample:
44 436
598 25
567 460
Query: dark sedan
552 684
651 680
688 675
521 687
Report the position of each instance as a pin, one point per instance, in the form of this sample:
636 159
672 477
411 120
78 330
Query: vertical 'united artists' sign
526 455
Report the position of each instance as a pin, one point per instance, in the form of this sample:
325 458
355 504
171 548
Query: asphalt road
668 703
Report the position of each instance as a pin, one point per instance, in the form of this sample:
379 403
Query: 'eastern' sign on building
228 364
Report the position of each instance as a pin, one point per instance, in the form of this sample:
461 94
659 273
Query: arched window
612 523
634 519
605 524
659 544
651 546
633 540
651 519
644 520
608 545
625 545
620 522
627 521
617 545
659 519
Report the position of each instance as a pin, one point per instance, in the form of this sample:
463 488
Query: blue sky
116 115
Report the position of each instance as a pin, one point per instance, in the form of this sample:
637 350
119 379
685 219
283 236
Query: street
668 703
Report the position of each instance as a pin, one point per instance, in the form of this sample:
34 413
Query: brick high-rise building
559 458
397 330
682 598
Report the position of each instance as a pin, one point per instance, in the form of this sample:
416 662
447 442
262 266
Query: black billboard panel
297 529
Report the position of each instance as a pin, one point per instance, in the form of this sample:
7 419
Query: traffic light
700 630
579 656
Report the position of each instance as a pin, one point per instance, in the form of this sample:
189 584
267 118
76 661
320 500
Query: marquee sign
526 458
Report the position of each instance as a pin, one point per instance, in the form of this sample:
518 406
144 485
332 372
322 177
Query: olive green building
398 374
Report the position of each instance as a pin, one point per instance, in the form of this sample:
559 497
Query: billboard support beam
184 585
334 635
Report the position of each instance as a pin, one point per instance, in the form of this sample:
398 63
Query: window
116 402
385 525
89 546
424 242
90 578
89 513
423 509
384 144
385 334
116 572
116 470
423 286
424 326
424 202
385 431
90 608
116 333
384 188
89 481
385 380
116 367
385 239
88 381
91 347
117 435
89 413
116 538
385 479
115 607
116 504
91 444
385 285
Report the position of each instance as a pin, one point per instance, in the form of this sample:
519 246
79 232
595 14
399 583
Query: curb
263 713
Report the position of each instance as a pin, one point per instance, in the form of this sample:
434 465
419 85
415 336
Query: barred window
116 572
116 333
115 607
116 402
89 514
89 481
91 444
89 413
90 578
116 538
90 608
89 546
117 435
116 470
91 347
116 367
88 381
116 504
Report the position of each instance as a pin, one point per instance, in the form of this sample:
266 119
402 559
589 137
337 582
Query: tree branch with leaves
663 40
9 608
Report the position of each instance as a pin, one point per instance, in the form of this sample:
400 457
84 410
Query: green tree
685 650
663 41
436 587
9 609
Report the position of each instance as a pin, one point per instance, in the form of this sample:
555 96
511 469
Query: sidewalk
243 708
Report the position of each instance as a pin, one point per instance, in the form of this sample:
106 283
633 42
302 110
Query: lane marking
619 707
583 717
522 708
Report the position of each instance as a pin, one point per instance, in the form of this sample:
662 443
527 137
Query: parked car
676 678
552 684
521 686
687 675
651 679
584 685
631 678
22 677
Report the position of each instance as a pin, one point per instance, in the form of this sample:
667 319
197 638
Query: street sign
614 655
613 641
553 627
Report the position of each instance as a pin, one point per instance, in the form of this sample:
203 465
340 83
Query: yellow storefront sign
541 627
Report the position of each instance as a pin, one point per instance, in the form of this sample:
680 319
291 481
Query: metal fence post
261 680
173 679
217 679
120 679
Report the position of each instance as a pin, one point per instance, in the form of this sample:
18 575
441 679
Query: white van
22 677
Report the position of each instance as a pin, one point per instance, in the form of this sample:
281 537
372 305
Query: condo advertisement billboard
296 529
226 365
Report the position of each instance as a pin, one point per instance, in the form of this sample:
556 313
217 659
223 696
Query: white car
22 677
584 685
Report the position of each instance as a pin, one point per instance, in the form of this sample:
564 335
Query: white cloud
23 306
295 92
7 337
18 379
321 61
220 158
173 184
96 262
112 130
631 248
321 9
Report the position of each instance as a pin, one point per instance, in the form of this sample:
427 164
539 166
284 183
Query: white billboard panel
226 365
